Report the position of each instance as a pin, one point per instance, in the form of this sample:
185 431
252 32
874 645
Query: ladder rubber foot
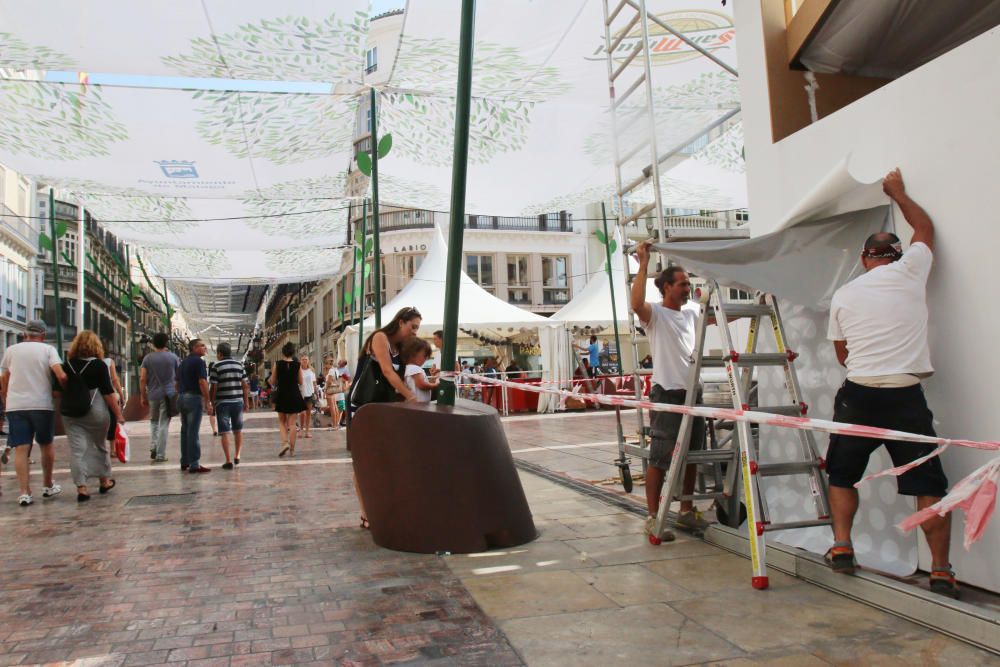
655 541
760 583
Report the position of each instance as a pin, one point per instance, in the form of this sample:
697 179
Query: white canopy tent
479 311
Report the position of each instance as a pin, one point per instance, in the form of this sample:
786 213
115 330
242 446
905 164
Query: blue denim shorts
229 416
31 425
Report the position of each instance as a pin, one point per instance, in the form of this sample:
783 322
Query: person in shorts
26 389
878 325
670 328
230 394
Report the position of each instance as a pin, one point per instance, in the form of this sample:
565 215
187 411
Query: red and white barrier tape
975 494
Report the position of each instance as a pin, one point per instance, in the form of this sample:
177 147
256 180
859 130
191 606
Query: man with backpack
26 388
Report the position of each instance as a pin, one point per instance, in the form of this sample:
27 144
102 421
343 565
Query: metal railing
20 227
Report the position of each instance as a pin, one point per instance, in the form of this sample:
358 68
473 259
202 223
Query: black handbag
371 386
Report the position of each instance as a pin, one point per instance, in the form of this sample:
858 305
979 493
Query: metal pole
650 111
80 256
166 305
133 348
55 271
611 284
364 241
354 258
377 269
460 162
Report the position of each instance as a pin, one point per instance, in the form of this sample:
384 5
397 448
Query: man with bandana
878 325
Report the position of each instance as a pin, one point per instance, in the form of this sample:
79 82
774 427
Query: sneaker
841 558
692 521
227 466
152 455
25 500
199 470
50 491
943 582
185 467
666 536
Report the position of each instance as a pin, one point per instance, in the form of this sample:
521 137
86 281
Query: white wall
939 125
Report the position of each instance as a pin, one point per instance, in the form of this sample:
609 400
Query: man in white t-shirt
670 328
878 325
26 386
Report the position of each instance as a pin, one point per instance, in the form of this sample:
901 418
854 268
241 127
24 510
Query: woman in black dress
287 377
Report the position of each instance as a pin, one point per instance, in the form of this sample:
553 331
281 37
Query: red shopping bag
122 449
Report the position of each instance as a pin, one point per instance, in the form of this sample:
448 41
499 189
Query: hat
37 327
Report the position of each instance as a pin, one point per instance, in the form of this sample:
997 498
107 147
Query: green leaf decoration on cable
136 291
61 228
358 253
613 246
384 146
44 242
348 299
369 246
364 163
600 236
359 237
125 301
368 270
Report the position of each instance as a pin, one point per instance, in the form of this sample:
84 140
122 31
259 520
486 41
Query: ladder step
638 214
744 310
617 10
748 359
628 92
633 184
711 456
624 33
790 525
787 468
628 61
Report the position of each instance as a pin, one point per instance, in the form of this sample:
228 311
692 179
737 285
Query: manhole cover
163 499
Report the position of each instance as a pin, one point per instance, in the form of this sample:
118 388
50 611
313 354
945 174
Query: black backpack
76 397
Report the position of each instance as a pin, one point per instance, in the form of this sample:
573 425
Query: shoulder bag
371 386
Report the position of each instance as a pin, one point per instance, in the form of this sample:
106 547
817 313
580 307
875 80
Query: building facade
18 246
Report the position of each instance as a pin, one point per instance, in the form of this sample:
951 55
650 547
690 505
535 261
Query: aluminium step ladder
739 370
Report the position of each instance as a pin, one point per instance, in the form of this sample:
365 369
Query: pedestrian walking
309 392
193 400
119 398
211 415
86 419
230 393
158 390
26 389
286 377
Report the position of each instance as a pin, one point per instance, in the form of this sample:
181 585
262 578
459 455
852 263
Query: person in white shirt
309 389
414 355
878 325
670 328
438 337
26 388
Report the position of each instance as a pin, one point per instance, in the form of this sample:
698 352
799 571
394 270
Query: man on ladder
670 328
878 325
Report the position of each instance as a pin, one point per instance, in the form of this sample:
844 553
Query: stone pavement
266 565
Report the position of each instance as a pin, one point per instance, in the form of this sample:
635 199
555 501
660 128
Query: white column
80 257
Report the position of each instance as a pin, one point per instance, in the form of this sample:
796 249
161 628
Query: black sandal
105 489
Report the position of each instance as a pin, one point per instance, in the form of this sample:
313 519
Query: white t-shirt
671 336
412 370
308 382
30 384
883 317
436 360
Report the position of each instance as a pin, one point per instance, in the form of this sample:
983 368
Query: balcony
20 228
394 221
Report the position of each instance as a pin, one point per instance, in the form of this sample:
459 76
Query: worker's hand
642 252
892 185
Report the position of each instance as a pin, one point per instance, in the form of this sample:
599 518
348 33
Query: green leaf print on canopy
57 121
302 208
126 209
190 263
680 111
18 55
290 48
506 88
285 128
406 192
304 261
726 151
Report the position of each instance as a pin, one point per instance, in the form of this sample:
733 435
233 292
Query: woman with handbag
87 423
379 373
286 376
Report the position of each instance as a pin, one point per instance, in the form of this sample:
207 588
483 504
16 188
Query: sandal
284 450
841 558
943 582
111 485
82 497
364 523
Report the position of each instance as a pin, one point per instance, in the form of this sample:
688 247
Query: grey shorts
664 427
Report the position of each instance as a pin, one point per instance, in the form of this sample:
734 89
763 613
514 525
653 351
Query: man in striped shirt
230 394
